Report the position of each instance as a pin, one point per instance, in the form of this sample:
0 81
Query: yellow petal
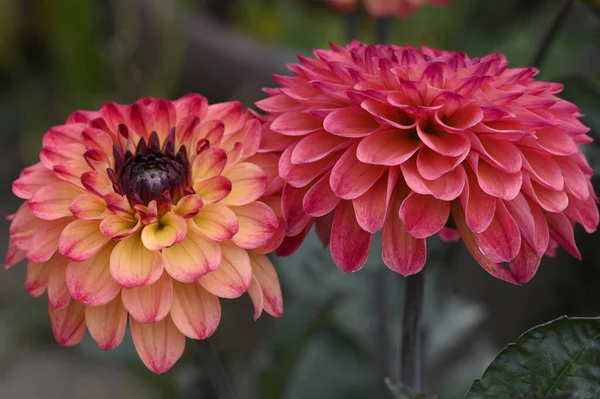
195 312
107 323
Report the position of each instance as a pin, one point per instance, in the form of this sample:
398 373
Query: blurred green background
339 335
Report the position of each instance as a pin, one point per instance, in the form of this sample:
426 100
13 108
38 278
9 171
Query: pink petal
213 189
248 183
478 206
195 312
290 244
256 296
423 215
233 276
496 182
576 182
351 178
256 225
432 165
44 242
81 239
149 303
543 169
88 207
446 188
371 207
58 294
350 244
37 277
401 252
350 121
317 146
320 199
209 163
107 324
23 226
531 221
52 202
217 222
292 210
295 124
264 273
442 142
159 344
499 153
192 258
388 147
301 175
561 231
32 179
68 323
90 281
524 266
501 241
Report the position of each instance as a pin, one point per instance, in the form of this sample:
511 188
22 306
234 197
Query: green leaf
560 359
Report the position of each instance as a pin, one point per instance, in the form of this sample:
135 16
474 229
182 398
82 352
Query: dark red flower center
152 172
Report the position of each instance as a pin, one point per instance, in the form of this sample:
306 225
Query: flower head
419 142
384 8
149 210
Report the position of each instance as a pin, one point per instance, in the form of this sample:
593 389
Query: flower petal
256 225
87 207
317 146
149 303
233 276
132 264
37 278
213 189
496 182
264 273
292 211
23 226
170 229
52 202
32 179
371 207
350 244
118 227
192 258
195 311
256 296
188 206
58 294
81 239
388 147
248 183
423 215
501 241
209 163
351 178
478 206
351 121
401 252
524 266
319 200
107 323
217 222
159 344
68 323
44 242
90 281
532 223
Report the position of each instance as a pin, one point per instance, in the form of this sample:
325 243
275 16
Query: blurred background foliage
340 333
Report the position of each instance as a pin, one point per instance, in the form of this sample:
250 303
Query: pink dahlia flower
419 142
384 8
149 213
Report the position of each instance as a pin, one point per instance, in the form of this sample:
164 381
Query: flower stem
410 358
214 367
550 35
382 30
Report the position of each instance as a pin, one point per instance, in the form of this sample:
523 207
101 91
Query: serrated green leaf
558 358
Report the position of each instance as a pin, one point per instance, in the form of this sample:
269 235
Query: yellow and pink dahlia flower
150 213
419 142
384 8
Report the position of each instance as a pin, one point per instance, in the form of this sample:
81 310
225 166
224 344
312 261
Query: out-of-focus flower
384 8
151 211
419 142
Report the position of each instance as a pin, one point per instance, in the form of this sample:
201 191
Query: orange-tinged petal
118 204
58 294
68 323
44 242
265 274
217 222
233 276
248 183
32 179
81 239
107 323
209 163
14 255
159 344
23 226
118 227
350 244
149 303
88 207
195 312
192 258
97 182
132 264
257 223
256 296
188 206
90 281
37 278
213 189
170 229
52 201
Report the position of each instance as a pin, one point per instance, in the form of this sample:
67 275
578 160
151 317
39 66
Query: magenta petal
351 178
320 199
561 231
401 252
501 241
532 223
291 208
371 207
524 266
350 244
424 215
295 124
496 182
387 147
478 206
316 146
350 121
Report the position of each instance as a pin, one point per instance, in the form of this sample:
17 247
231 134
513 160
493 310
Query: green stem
215 369
410 358
550 35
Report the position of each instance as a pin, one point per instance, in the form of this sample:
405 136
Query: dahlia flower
419 142
384 8
150 213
